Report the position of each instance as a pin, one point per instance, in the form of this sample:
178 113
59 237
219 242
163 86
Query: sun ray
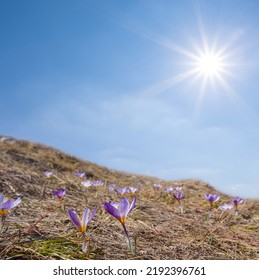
160 87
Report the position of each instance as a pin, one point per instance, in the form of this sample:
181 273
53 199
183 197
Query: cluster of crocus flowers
127 190
121 191
120 212
93 183
171 189
97 183
6 204
81 224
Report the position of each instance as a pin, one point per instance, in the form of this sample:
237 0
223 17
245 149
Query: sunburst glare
210 64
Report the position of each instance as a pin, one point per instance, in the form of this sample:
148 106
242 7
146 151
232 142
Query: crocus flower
111 187
178 196
6 204
132 190
59 193
158 186
97 183
212 198
121 210
226 207
178 188
169 190
237 201
122 191
81 225
48 174
80 174
86 183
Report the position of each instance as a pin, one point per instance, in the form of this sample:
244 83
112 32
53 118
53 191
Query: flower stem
128 238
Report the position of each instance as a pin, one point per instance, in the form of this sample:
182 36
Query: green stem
128 239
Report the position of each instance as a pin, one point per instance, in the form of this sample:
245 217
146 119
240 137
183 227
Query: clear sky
165 88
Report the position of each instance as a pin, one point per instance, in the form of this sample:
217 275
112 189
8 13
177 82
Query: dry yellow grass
40 229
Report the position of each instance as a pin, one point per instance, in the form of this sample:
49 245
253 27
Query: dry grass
40 229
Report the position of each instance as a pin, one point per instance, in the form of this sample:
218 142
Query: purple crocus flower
169 189
157 186
97 183
178 196
122 191
48 174
237 201
212 198
6 204
81 225
120 211
132 190
178 188
59 193
226 207
80 174
111 187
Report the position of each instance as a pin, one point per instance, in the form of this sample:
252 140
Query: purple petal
16 202
7 205
237 200
85 218
124 207
59 193
74 218
92 215
48 173
2 199
212 197
133 203
111 210
178 196
226 207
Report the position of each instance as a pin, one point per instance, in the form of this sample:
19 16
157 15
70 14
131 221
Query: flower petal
92 215
133 203
111 210
124 207
85 218
16 202
2 198
7 205
74 218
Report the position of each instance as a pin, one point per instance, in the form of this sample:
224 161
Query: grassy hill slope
39 227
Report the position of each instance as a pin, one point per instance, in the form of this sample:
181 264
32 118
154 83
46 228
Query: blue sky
116 82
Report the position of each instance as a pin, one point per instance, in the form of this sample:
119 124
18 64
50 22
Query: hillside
39 227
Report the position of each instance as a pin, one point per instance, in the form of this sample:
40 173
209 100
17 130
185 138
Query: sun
209 64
